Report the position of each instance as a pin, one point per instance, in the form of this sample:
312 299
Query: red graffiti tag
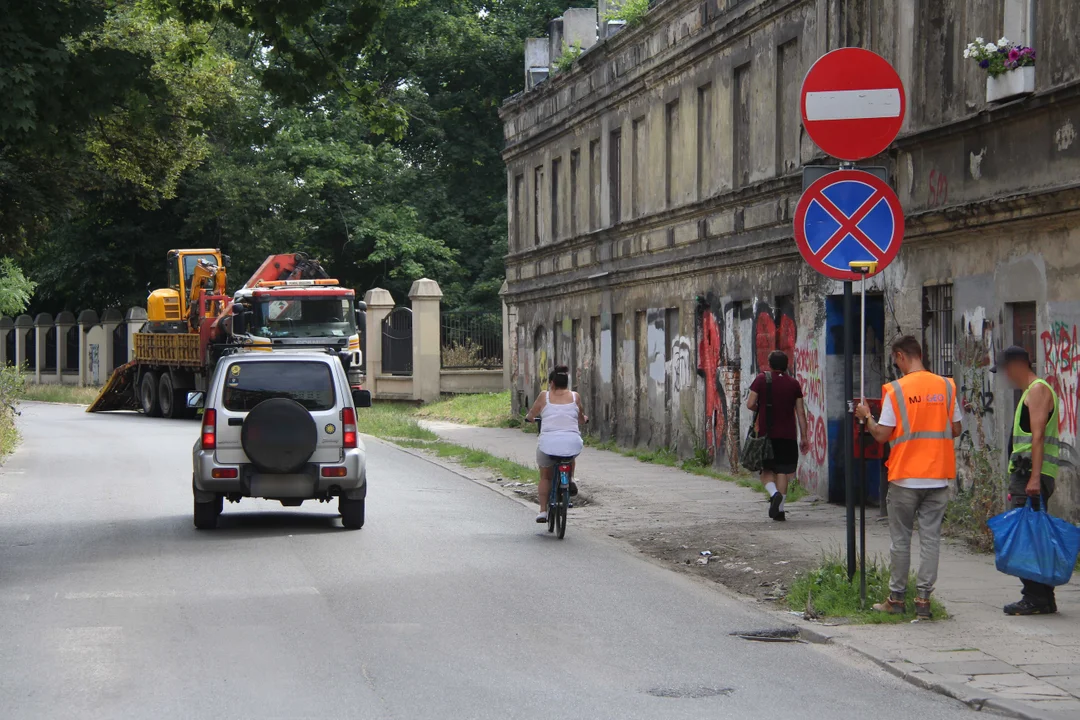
709 348
1061 357
768 338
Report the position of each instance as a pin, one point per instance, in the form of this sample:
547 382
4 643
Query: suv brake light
209 429
348 427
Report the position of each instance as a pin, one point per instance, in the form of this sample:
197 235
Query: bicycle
559 498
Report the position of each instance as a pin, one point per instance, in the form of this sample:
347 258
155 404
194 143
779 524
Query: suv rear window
308 383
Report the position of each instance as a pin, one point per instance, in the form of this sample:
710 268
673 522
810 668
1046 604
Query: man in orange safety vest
920 417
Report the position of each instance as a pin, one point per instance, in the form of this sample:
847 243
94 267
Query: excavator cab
175 309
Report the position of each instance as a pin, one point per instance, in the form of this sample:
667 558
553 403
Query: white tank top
560 434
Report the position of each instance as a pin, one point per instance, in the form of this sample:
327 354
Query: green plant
967 513
15 288
632 12
827 592
570 53
11 386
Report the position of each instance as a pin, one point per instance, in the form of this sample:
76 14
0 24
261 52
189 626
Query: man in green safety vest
1033 459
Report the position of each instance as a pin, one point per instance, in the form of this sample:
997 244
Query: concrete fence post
135 318
23 325
6 326
111 320
87 320
64 322
426 297
379 304
42 323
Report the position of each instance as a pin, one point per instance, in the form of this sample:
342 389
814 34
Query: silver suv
280 425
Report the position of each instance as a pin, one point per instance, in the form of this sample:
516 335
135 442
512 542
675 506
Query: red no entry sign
848 216
852 103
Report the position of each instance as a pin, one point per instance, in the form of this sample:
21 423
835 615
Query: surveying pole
864 269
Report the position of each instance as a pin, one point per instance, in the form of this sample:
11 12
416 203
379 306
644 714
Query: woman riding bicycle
561 416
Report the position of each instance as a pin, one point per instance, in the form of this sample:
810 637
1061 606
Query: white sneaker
542 517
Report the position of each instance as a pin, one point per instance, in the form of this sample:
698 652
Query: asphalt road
451 603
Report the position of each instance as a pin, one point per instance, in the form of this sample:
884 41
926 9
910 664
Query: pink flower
1014 55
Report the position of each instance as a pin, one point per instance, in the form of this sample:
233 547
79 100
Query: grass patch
832 596
471 457
392 421
482 410
68 394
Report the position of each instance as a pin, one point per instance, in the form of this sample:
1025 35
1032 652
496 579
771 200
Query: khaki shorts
544 460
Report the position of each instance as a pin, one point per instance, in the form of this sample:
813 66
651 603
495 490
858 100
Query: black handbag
757 449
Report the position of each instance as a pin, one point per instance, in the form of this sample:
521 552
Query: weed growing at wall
570 54
632 12
982 499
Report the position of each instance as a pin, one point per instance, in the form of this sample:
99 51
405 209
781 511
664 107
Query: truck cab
303 313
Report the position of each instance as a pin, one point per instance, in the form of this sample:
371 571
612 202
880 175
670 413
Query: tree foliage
364 132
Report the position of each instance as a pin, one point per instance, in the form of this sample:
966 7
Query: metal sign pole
849 427
864 269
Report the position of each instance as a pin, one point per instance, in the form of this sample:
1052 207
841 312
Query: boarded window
575 165
788 81
538 205
637 166
704 139
556 171
671 144
615 176
740 127
594 184
518 230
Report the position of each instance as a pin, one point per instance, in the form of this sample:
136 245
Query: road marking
853 104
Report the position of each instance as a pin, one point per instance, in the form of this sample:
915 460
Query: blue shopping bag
1034 545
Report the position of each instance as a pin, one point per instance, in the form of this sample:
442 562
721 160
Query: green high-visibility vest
1022 440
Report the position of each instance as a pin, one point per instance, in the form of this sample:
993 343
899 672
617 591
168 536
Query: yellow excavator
175 309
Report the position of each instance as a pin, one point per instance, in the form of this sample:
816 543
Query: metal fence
472 340
397 330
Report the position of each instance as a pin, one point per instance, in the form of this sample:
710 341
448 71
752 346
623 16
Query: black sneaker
774 505
573 488
781 516
1027 607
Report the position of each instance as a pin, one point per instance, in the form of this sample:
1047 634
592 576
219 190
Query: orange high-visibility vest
921 444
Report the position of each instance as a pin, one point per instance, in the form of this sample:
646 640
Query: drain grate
785 634
693 692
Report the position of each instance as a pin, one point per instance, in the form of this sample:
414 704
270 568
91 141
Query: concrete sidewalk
1024 667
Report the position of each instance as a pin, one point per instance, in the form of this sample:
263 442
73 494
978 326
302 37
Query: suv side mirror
361 398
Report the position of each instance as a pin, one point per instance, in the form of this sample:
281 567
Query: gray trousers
905 507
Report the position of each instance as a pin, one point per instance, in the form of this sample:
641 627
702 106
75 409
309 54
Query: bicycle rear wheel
560 512
551 514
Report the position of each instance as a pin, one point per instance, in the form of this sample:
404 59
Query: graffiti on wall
1061 362
721 375
809 360
774 330
974 358
680 372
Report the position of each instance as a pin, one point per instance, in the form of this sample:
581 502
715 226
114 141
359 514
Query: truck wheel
206 514
173 402
148 395
352 513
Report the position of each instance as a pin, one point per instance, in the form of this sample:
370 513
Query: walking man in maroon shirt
786 398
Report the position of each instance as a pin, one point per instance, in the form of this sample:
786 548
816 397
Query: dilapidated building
651 188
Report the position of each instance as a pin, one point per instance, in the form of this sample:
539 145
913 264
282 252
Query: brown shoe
922 609
890 606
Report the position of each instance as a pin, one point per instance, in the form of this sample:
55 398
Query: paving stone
976 667
923 656
1069 683
1043 670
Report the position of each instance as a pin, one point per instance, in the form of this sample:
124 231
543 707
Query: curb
925 680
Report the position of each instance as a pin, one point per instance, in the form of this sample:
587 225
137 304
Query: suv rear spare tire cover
279 436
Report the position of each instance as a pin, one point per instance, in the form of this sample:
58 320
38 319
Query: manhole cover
691 692
788 634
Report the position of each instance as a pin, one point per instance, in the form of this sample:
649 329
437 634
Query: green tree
15 288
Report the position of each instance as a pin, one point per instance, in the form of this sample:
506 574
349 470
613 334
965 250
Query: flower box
1011 84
